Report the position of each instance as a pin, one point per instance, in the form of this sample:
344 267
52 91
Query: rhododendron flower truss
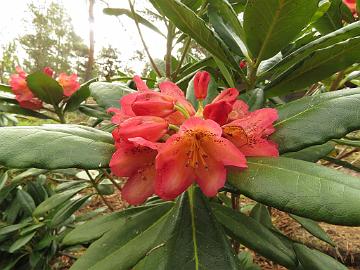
163 146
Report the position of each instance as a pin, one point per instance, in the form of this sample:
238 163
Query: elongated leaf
304 122
108 94
315 260
56 200
254 235
5 87
227 25
140 19
348 31
7 97
16 109
95 228
79 96
301 188
318 66
55 147
313 228
22 241
271 24
45 87
343 163
348 142
312 153
13 228
190 23
26 201
254 98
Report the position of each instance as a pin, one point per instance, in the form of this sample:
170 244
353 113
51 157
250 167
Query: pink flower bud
153 103
201 83
242 64
48 71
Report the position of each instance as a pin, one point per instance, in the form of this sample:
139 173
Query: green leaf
212 92
97 112
313 228
7 97
254 235
191 24
225 72
67 210
271 24
73 103
5 88
358 6
108 94
318 66
45 88
126 243
348 142
312 153
95 228
246 261
13 228
254 98
139 19
3 179
227 25
26 201
56 200
315 260
304 122
348 31
16 109
55 147
342 163
22 241
301 188
261 214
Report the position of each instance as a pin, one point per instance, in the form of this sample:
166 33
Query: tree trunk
90 63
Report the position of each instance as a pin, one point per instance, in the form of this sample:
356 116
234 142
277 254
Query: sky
119 32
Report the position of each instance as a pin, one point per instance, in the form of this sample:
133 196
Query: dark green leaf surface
317 119
348 31
79 96
271 24
254 98
332 19
313 228
301 188
190 23
26 201
20 242
108 94
16 109
312 153
315 260
254 235
317 66
55 147
45 87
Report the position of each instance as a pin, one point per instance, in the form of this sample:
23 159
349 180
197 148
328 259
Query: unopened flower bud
201 83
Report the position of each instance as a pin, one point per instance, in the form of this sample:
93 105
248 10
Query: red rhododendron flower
22 92
69 83
197 153
351 4
163 148
201 84
242 64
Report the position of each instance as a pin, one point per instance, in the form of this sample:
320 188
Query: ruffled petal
140 84
228 95
218 112
140 186
126 104
260 148
211 178
118 115
223 151
239 109
198 124
129 158
171 89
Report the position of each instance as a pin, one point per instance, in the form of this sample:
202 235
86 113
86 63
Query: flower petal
211 178
140 186
171 89
140 84
196 123
260 148
218 112
228 95
126 103
239 110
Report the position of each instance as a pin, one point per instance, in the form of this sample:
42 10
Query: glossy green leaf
261 214
128 13
95 228
13 228
348 31
315 260
73 103
254 98
271 24
225 22
31 228
20 242
190 23
254 235
55 147
16 109
313 228
301 188
92 111
312 153
317 66
45 88
56 200
348 142
67 210
108 94
305 122
26 201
